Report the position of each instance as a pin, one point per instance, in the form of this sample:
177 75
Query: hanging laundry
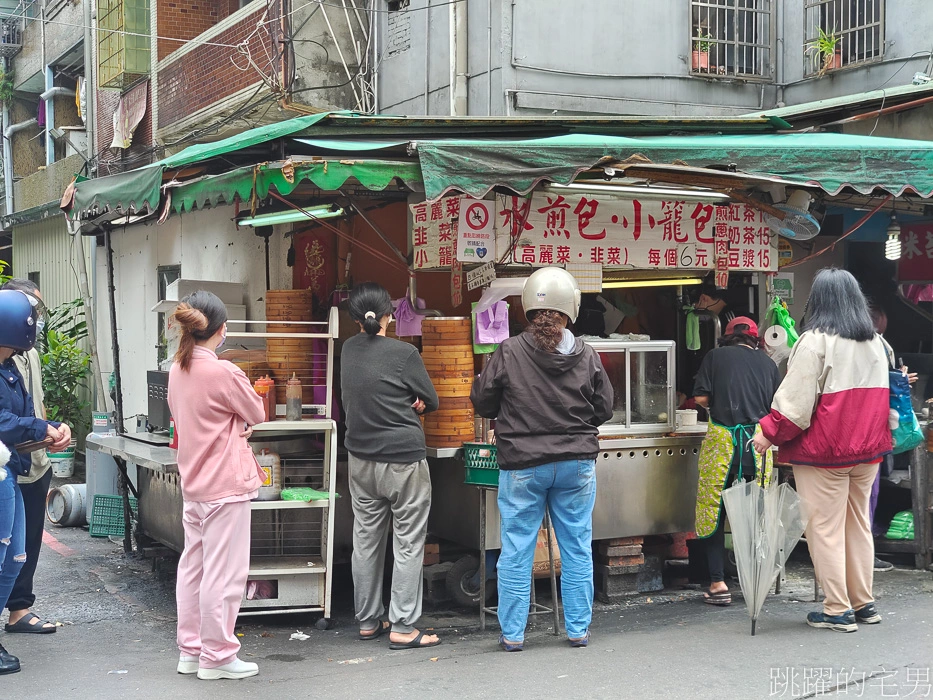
692 330
128 114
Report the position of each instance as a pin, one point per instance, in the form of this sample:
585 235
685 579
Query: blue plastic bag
907 435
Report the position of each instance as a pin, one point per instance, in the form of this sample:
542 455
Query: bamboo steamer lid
441 323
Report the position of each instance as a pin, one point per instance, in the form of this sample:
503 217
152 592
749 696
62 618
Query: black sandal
414 643
24 625
384 626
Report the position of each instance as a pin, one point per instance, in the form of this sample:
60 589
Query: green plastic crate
482 467
107 515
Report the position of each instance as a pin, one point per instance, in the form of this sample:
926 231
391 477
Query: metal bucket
66 505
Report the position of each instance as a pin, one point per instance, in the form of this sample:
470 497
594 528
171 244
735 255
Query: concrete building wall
208 247
624 57
46 185
26 145
46 248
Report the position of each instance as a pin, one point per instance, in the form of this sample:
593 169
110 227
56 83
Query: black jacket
548 405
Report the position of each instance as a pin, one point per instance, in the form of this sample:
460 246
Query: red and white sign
916 263
476 230
557 229
434 232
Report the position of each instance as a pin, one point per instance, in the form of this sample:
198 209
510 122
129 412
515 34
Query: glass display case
642 377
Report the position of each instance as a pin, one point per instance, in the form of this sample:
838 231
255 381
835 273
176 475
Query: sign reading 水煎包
557 229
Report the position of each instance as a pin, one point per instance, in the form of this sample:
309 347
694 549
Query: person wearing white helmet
549 394
19 314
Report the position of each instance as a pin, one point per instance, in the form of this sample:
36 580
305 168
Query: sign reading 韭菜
557 229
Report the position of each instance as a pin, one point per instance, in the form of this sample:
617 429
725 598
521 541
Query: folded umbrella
766 523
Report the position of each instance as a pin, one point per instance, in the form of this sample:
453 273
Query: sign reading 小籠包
559 229
554 229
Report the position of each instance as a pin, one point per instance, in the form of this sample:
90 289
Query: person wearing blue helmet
19 314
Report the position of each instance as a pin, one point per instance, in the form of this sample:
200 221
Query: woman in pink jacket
213 406
830 418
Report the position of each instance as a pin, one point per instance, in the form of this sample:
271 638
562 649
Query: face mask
223 339
40 325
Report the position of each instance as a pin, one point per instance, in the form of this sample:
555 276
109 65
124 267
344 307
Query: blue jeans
569 491
12 534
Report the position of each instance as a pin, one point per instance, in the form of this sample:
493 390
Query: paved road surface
117 642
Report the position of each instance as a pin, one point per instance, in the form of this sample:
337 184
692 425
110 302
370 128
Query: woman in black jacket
549 394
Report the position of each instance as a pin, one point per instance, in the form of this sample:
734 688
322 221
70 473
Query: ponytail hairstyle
369 303
198 317
547 329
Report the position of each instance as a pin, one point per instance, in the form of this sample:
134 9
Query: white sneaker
187 665
234 670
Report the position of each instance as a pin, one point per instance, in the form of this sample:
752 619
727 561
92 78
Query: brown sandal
722 599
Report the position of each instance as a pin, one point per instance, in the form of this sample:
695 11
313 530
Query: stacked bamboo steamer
447 351
286 356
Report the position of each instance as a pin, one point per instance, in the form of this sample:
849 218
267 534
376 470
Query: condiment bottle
293 398
265 386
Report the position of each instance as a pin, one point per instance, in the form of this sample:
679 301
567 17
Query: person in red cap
736 384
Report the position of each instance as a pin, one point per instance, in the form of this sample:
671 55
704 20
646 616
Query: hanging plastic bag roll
776 344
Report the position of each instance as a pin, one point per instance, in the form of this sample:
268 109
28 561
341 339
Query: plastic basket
482 467
107 515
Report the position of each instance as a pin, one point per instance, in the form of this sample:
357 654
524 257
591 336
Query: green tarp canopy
139 190
830 161
325 175
476 165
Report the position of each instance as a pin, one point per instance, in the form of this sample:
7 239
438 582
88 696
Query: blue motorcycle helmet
19 313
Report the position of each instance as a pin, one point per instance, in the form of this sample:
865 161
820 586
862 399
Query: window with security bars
123 42
843 33
732 38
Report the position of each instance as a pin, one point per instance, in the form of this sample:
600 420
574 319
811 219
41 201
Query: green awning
251 137
829 161
139 190
326 175
136 191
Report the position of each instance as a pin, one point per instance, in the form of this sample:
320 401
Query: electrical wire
832 246
373 10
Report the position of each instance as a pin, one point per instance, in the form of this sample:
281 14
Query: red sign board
916 263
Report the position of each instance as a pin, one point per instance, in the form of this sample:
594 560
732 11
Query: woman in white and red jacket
830 419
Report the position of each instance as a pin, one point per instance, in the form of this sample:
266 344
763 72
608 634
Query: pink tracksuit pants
212 576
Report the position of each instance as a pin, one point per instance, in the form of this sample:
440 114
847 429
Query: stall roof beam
833 108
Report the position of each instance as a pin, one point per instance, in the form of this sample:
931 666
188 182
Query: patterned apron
716 455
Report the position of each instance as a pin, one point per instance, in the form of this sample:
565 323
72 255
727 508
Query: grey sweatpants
384 494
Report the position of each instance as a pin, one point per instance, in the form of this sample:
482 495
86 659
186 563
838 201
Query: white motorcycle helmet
551 289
